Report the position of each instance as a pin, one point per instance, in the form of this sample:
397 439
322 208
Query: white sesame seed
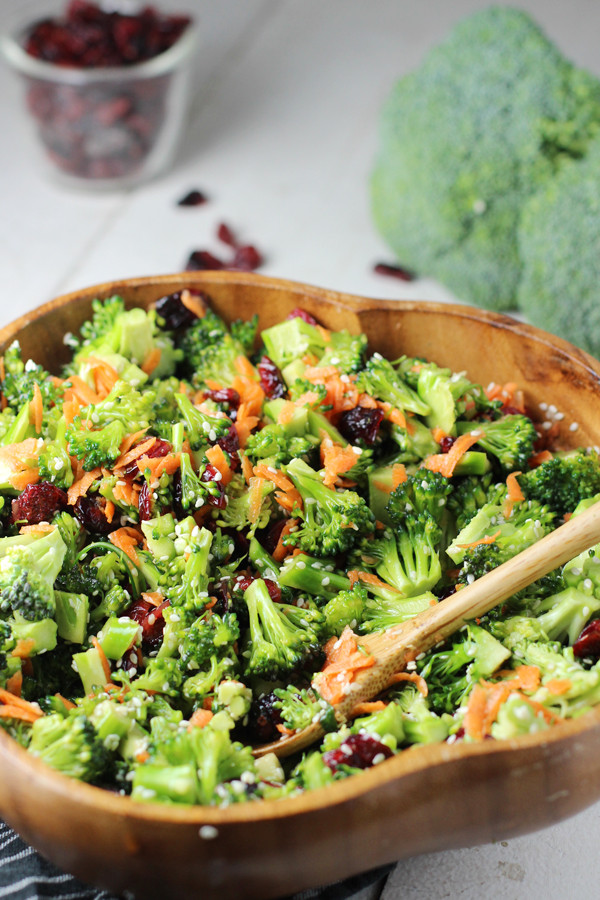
208 832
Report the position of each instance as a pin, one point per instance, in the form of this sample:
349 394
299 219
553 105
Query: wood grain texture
429 798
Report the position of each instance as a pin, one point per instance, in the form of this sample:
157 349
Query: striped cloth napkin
25 875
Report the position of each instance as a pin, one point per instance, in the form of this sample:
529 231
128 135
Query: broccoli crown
97 448
54 464
27 574
281 638
185 581
381 613
450 206
424 492
201 429
70 745
214 361
202 333
277 444
559 245
238 513
245 332
409 558
345 351
194 491
381 380
332 521
95 329
564 481
468 495
198 686
20 379
210 635
299 707
345 609
510 439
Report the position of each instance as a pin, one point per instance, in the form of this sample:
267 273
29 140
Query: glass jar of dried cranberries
106 91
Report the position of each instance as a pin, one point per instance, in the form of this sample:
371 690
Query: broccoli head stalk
381 613
564 481
201 429
450 206
70 745
332 521
381 380
510 439
409 559
277 642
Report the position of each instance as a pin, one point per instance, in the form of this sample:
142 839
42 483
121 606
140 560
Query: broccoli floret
381 380
564 481
277 644
408 558
114 603
54 462
185 583
332 521
215 362
299 707
198 686
468 495
202 333
201 429
510 439
97 448
70 745
421 724
451 673
211 635
414 442
28 571
163 675
345 351
450 205
20 379
381 613
239 513
291 340
194 491
245 332
559 245
279 445
450 395
424 492
102 321
345 609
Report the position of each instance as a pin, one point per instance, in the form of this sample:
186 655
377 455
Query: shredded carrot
270 473
538 458
130 439
526 678
142 756
127 539
283 729
343 660
130 455
151 361
411 676
282 550
438 434
194 303
367 707
286 413
547 714
336 460
109 511
399 475
199 719
159 464
558 686
14 701
488 539
255 498
244 367
247 470
126 492
290 500
251 393
368 578
15 712
36 409
217 458
245 424
80 488
71 407
23 648
22 479
40 528
82 391
103 660
382 486
68 704
325 333
445 463
514 494
105 376
14 684
153 597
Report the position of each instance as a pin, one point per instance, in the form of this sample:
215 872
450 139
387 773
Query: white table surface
281 137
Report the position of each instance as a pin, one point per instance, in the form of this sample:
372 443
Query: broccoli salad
199 522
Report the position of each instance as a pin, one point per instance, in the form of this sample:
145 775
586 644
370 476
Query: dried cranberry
202 260
394 271
38 503
587 644
264 718
359 751
225 234
299 313
225 396
159 448
217 498
243 582
271 379
193 198
151 619
446 443
90 512
361 424
174 311
145 504
247 258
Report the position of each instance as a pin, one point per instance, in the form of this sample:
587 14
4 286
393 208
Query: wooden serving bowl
425 799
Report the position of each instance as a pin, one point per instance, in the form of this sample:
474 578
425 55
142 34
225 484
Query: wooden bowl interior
426 799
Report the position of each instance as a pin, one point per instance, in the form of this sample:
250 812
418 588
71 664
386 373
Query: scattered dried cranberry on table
246 257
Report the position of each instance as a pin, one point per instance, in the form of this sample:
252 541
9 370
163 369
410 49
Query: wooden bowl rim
409 761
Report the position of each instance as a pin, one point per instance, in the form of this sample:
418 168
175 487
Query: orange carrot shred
416 679
538 458
514 494
199 719
151 361
247 470
194 304
36 409
14 684
23 648
216 458
282 550
367 707
80 488
269 473
558 686
16 712
399 475
488 539
368 578
244 367
131 454
255 499
66 702
445 463
127 539
283 729
103 660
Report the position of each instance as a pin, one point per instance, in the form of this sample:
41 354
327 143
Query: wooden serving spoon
397 646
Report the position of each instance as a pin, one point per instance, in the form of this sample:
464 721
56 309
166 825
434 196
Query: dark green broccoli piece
408 558
469 494
510 439
424 492
201 429
97 448
245 332
70 745
382 381
211 635
450 206
345 351
345 609
277 444
20 379
113 603
332 521
564 481
559 244
95 329
202 333
277 642
28 570
203 683
237 514
299 707
214 362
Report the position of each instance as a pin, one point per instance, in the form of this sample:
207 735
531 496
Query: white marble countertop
281 137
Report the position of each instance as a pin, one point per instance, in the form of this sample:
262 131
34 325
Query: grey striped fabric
25 875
